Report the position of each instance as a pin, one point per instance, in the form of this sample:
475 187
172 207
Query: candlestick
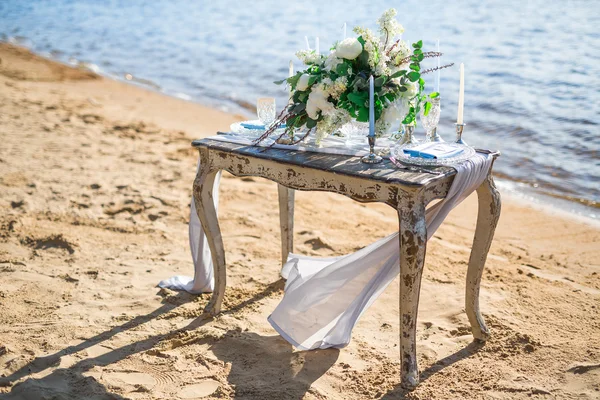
371 106
461 95
459 132
344 30
437 75
317 45
307 42
290 137
372 158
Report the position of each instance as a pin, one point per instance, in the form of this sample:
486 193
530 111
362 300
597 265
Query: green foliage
355 99
426 108
358 98
420 100
413 76
398 74
363 114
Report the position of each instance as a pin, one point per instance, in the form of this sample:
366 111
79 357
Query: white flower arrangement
333 89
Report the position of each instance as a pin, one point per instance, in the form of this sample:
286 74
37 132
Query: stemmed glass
355 133
266 111
431 121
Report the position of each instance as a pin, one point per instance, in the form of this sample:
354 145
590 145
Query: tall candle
371 106
344 30
461 95
317 45
291 73
307 42
437 75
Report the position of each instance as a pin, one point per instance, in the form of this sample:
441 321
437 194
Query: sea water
532 68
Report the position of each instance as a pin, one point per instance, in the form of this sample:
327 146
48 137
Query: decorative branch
281 118
393 47
427 54
387 35
302 137
436 68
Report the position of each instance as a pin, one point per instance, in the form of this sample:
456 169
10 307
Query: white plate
238 129
398 153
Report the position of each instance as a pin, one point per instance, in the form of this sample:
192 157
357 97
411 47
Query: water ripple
532 68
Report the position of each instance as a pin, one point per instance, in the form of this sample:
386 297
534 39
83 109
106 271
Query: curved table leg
487 219
205 207
413 241
286 221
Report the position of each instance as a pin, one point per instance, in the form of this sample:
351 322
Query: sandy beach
95 184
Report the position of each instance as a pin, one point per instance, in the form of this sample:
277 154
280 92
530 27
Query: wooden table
407 192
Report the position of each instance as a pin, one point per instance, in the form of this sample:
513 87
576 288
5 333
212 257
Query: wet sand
95 183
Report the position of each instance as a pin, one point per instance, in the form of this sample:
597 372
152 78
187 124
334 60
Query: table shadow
65 383
466 352
267 367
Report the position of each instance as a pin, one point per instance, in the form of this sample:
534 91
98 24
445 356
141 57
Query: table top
385 172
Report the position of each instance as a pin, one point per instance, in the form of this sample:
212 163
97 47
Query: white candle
307 42
371 106
317 45
291 72
461 95
437 76
344 30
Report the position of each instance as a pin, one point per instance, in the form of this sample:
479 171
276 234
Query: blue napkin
257 126
433 150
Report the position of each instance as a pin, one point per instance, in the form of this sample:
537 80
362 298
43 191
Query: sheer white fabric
202 281
325 297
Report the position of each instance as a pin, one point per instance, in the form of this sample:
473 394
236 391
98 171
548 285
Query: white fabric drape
203 281
325 297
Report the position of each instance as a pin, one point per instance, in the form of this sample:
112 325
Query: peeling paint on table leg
413 242
286 221
487 219
205 207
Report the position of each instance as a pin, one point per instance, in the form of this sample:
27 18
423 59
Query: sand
95 182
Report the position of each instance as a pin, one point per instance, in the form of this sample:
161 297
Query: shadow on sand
268 367
472 348
262 367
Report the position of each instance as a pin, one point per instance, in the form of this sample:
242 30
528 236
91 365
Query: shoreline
95 185
582 208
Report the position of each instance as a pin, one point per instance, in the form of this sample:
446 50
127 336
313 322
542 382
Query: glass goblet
431 121
355 133
266 111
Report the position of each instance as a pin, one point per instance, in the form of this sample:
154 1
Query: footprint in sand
318 244
52 242
130 378
199 390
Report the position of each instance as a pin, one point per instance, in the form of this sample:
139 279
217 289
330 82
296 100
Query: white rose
317 101
394 113
349 48
332 61
413 89
303 82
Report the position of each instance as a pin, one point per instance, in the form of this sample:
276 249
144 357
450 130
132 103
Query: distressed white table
407 192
